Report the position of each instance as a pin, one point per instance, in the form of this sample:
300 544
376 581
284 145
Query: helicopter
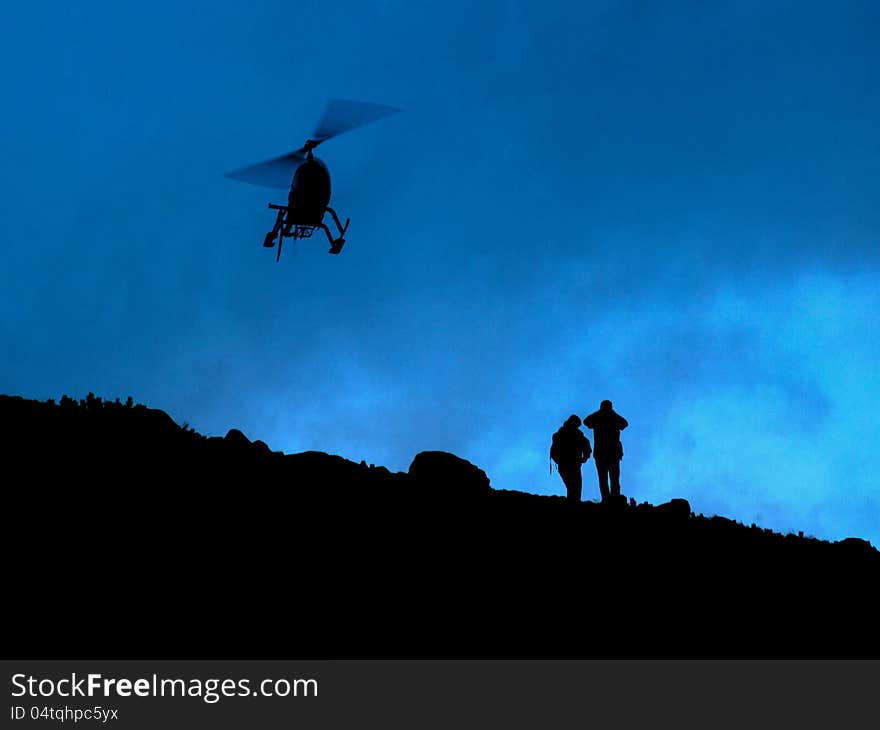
309 196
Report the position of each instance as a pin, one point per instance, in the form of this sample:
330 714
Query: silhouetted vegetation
133 536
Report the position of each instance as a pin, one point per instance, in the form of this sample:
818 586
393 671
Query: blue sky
673 205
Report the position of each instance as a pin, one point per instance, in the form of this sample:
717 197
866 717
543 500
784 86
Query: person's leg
563 474
571 478
614 470
602 471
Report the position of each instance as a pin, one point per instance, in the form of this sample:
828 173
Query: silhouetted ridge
133 536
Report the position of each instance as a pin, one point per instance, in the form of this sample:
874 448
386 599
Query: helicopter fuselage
309 193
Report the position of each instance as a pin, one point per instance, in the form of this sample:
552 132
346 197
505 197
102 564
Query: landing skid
285 229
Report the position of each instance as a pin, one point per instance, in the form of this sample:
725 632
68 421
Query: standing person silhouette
608 451
569 449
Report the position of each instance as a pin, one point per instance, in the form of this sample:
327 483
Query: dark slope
129 536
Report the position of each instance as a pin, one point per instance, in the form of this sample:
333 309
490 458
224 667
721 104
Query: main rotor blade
343 116
274 173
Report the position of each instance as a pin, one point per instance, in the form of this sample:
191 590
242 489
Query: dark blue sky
673 205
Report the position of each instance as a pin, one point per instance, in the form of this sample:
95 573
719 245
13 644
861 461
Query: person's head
573 421
605 405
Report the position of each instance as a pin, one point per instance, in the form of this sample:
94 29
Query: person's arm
622 423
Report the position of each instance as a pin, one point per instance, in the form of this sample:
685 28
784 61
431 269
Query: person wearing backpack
606 425
569 449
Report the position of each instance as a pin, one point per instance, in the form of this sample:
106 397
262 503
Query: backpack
555 450
558 449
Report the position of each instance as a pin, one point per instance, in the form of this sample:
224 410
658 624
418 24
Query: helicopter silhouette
309 196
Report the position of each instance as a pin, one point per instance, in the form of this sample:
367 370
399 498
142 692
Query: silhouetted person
569 449
608 451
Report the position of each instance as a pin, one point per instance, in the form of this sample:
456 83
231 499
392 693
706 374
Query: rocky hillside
130 536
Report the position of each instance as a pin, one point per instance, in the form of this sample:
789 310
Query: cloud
780 429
